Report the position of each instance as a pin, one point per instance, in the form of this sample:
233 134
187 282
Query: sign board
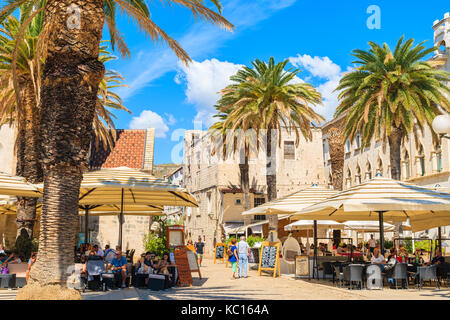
182 262
219 252
269 257
175 236
301 266
193 263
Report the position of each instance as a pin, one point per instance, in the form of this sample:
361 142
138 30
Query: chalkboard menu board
269 257
219 251
182 262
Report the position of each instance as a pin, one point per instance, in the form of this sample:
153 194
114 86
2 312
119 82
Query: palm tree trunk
395 142
336 156
245 183
28 163
70 80
271 176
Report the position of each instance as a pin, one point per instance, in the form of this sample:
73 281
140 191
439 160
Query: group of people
238 253
148 265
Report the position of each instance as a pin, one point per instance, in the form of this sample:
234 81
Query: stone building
215 182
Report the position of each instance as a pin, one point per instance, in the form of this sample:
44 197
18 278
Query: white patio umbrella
293 202
309 225
17 186
124 188
378 199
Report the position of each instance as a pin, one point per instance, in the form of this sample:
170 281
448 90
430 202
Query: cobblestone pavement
216 283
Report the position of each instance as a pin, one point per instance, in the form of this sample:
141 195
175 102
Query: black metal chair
400 272
353 273
443 272
427 273
130 255
327 268
338 275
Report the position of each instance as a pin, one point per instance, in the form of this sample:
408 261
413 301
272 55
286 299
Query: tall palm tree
25 113
389 93
72 72
267 97
232 141
336 147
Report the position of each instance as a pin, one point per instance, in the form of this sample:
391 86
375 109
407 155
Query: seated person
341 249
31 261
162 265
437 259
403 254
13 258
118 266
377 258
109 254
393 255
98 251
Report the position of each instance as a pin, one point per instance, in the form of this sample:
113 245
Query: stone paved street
217 284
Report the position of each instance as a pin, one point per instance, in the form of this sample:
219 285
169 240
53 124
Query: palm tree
336 147
25 113
232 141
389 93
72 72
266 97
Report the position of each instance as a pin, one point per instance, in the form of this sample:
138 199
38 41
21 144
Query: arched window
358 175
379 166
438 150
358 140
368 171
442 47
421 157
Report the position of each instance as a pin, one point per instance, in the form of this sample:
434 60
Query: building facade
215 181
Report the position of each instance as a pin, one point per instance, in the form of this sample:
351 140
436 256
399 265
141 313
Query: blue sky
317 37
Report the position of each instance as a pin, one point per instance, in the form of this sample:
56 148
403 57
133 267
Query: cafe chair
374 277
338 275
353 274
443 272
327 269
93 277
427 273
400 272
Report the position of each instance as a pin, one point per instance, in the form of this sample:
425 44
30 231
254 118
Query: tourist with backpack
232 256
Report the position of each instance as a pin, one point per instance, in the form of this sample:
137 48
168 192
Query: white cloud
321 67
203 82
328 74
151 119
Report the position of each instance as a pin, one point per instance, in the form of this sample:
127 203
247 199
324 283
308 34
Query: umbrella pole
86 224
440 240
121 221
315 267
380 219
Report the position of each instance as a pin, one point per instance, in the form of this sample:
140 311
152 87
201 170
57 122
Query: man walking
243 253
199 248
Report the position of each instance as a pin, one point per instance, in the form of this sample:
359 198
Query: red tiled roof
128 151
